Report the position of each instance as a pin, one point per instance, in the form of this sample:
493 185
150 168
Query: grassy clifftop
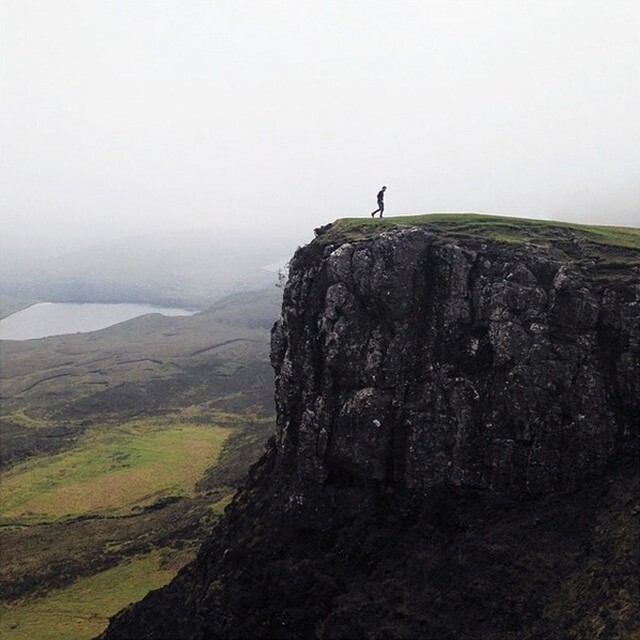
614 252
474 226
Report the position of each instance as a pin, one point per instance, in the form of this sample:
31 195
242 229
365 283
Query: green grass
219 506
21 418
111 471
227 369
81 610
487 227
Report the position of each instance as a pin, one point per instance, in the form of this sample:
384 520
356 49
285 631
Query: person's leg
373 213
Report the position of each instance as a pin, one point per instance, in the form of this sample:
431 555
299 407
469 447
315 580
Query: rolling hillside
89 424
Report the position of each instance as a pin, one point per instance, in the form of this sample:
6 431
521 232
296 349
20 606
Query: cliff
456 453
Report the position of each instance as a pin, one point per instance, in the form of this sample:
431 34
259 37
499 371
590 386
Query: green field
88 530
111 471
105 497
82 609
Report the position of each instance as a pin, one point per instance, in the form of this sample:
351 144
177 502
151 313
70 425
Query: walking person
380 202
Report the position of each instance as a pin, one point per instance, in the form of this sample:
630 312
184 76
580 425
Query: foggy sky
120 117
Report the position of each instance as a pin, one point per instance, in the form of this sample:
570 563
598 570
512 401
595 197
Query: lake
58 318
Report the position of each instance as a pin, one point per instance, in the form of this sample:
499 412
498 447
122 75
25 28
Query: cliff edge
457 443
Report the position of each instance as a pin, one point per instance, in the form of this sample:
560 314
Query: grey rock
411 362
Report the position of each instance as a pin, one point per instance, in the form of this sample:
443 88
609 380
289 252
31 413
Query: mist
122 119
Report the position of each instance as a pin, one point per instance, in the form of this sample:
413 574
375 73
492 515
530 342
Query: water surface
58 318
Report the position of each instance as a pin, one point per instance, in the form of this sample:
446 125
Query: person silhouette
380 202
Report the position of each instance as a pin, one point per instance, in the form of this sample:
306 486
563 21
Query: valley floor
120 450
88 530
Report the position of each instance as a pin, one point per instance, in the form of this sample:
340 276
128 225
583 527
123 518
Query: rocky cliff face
418 364
456 453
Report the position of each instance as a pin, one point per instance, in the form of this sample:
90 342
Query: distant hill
182 269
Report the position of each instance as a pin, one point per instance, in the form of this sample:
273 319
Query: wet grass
452 226
81 610
111 471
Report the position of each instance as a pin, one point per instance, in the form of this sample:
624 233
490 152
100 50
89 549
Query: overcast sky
120 117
